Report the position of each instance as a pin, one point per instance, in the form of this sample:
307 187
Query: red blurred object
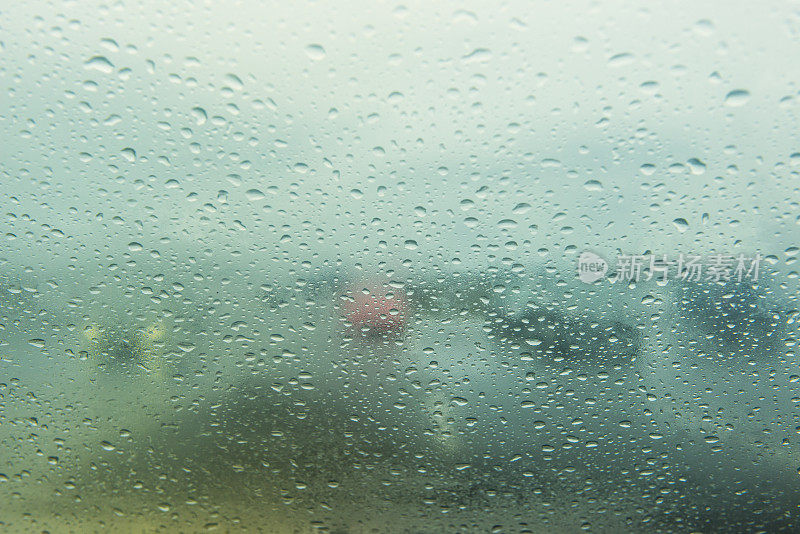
375 309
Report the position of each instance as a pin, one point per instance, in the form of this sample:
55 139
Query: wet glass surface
394 267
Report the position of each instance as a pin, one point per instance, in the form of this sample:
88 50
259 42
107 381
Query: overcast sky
442 133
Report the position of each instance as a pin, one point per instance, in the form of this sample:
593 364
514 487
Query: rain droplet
315 52
478 55
521 208
593 185
234 81
696 166
100 63
200 115
620 60
254 194
737 97
681 224
704 27
129 154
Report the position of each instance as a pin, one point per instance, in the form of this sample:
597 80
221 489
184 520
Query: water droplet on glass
129 154
736 98
100 63
315 52
254 194
593 185
681 224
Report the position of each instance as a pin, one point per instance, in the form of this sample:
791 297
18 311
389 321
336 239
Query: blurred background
313 267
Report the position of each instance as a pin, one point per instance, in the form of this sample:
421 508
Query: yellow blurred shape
93 333
155 332
147 353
